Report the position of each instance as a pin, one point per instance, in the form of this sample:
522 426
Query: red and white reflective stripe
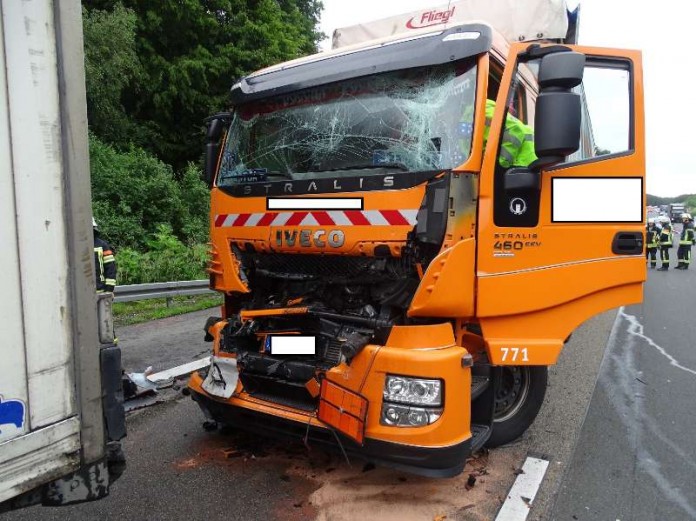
321 218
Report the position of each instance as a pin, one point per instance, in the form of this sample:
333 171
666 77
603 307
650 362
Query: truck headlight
405 416
413 391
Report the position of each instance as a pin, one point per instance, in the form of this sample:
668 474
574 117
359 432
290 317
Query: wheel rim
512 393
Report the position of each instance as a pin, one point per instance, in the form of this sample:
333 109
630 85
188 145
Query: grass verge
129 313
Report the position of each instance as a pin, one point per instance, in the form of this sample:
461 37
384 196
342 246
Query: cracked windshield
414 120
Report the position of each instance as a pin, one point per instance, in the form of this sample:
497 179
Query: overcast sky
670 108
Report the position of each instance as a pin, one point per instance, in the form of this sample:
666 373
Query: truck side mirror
558 110
215 128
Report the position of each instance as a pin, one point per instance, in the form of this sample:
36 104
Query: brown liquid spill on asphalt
234 449
326 488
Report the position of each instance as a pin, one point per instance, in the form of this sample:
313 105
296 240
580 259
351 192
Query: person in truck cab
517 146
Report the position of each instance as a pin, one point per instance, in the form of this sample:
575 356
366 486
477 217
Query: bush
167 259
134 194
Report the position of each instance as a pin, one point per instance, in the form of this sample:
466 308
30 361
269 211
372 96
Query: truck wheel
517 402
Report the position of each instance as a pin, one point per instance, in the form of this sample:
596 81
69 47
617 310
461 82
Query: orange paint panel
357 239
368 371
430 336
252 313
542 333
344 399
447 288
313 387
546 287
536 284
343 409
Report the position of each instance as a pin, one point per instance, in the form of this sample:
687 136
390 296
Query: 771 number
514 354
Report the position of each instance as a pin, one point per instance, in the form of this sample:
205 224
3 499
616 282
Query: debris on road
137 385
470 482
169 375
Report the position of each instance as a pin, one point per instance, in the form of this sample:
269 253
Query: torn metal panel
222 377
180 370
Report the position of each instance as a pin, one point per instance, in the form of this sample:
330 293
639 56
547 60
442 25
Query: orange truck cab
392 287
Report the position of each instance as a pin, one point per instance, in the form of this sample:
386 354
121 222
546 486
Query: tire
518 400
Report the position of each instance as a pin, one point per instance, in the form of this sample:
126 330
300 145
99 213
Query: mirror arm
535 51
544 162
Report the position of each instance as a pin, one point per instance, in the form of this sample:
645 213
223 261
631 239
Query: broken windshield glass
412 120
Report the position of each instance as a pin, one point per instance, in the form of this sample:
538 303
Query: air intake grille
331 266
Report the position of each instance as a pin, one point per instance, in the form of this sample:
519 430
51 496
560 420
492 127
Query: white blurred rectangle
597 199
315 203
293 345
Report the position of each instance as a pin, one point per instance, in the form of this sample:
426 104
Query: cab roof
417 49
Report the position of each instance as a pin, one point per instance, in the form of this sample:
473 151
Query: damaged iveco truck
396 281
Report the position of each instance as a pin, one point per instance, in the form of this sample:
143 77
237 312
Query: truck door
567 242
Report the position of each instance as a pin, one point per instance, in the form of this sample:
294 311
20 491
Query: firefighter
665 245
652 243
686 239
517 146
104 262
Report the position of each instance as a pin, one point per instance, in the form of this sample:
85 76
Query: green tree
132 194
111 64
191 51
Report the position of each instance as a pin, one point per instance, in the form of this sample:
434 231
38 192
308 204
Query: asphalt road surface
633 457
636 454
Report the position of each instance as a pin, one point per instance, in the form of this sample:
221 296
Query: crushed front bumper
435 462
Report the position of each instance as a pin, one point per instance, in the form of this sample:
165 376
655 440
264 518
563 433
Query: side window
606 129
606 118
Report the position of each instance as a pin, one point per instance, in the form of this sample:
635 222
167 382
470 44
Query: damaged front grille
290 394
306 267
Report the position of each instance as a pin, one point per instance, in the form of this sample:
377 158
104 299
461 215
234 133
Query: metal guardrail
179 288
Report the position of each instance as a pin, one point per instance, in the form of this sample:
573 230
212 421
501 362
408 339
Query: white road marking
636 329
179 370
519 500
623 391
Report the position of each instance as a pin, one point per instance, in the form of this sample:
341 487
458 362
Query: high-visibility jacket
105 265
666 237
517 144
652 238
687 235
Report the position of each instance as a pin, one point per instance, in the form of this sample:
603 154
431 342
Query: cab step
479 383
479 436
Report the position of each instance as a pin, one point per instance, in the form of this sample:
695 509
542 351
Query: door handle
627 243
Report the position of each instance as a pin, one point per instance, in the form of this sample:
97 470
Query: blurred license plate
293 345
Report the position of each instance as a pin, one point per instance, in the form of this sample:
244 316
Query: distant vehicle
675 211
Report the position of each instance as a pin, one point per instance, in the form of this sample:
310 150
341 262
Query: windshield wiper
365 166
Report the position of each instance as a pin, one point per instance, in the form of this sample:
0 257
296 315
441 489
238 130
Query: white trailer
58 397
516 20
